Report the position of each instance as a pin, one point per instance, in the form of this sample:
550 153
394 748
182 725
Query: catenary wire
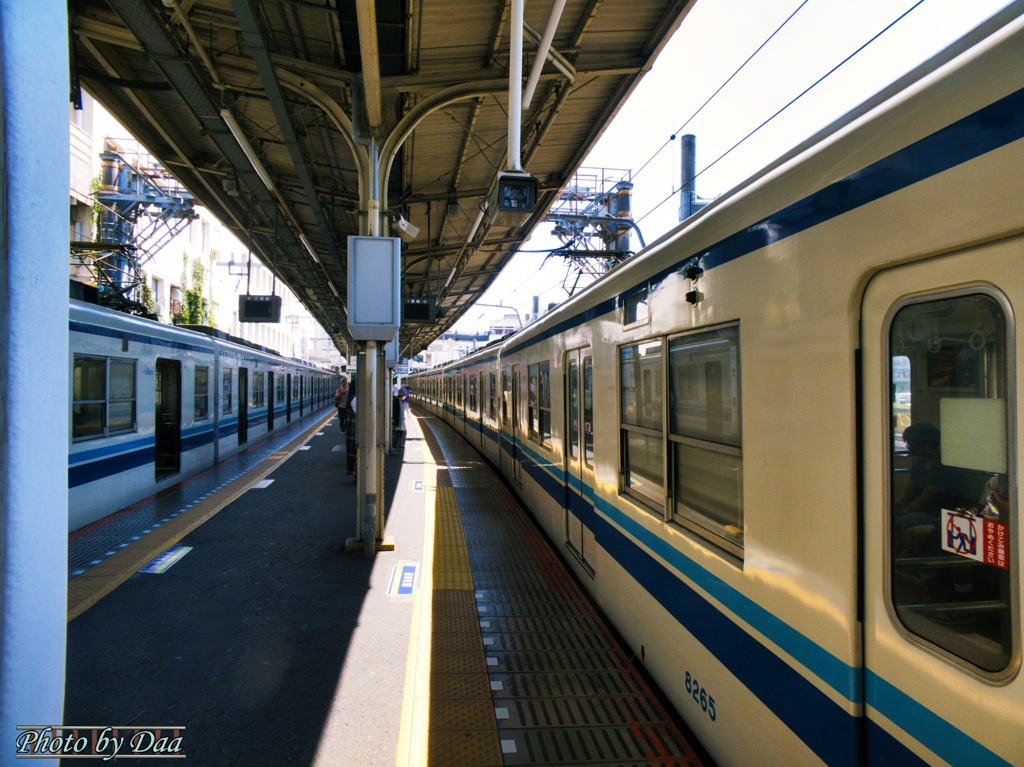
720 87
788 105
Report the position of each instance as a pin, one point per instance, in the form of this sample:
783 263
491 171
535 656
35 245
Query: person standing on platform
399 403
340 401
351 437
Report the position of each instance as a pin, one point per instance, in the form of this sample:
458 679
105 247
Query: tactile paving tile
563 691
464 748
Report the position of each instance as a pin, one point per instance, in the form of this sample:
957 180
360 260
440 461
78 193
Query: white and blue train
779 446
153 403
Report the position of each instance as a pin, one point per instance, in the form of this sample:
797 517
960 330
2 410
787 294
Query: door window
951 505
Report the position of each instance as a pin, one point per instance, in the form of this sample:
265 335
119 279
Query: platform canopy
271 113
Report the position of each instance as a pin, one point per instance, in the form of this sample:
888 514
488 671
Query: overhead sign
374 287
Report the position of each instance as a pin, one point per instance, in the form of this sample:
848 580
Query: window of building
706 436
103 397
202 392
641 373
952 508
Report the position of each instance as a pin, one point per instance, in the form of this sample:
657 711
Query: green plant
148 302
193 311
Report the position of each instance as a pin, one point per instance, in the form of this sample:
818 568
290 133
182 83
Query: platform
469 644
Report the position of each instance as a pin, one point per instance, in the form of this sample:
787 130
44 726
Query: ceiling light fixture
246 147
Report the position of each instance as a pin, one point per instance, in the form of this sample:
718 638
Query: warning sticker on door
980 538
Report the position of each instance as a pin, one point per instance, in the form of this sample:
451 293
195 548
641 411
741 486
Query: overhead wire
789 104
720 87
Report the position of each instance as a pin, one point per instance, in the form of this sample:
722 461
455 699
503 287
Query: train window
506 388
539 402
641 401
472 393
259 394
103 397
532 414
121 399
202 393
226 392
952 506
635 307
705 435
89 397
588 411
279 388
493 396
573 406
544 403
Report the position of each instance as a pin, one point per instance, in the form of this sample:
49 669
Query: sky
713 42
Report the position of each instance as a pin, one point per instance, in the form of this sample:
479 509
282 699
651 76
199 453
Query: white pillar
366 411
34 403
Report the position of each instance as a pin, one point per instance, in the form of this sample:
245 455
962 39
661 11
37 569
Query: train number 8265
700 696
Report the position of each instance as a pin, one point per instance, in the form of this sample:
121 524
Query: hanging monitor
259 308
517 192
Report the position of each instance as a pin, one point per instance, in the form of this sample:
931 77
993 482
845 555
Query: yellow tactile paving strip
448 718
515 666
98 581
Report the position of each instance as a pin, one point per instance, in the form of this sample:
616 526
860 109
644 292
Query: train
778 446
153 404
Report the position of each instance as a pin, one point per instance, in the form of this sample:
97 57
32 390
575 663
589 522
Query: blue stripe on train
809 713
83 473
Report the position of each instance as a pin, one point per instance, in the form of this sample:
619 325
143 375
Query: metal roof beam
258 50
369 55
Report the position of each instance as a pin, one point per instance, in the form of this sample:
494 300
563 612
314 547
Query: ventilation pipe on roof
689 203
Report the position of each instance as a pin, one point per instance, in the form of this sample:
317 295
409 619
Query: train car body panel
751 517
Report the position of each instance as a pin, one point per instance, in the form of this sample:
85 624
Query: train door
579 454
481 403
514 426
941 552
243 405
168 418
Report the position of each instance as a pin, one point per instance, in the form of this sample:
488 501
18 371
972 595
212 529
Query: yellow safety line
414 729
98 581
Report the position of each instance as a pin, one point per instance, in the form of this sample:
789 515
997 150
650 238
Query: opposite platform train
153 403
716 434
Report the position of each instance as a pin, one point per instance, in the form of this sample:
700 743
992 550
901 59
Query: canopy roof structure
295 122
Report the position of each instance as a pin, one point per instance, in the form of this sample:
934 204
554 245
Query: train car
779 446
153 404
